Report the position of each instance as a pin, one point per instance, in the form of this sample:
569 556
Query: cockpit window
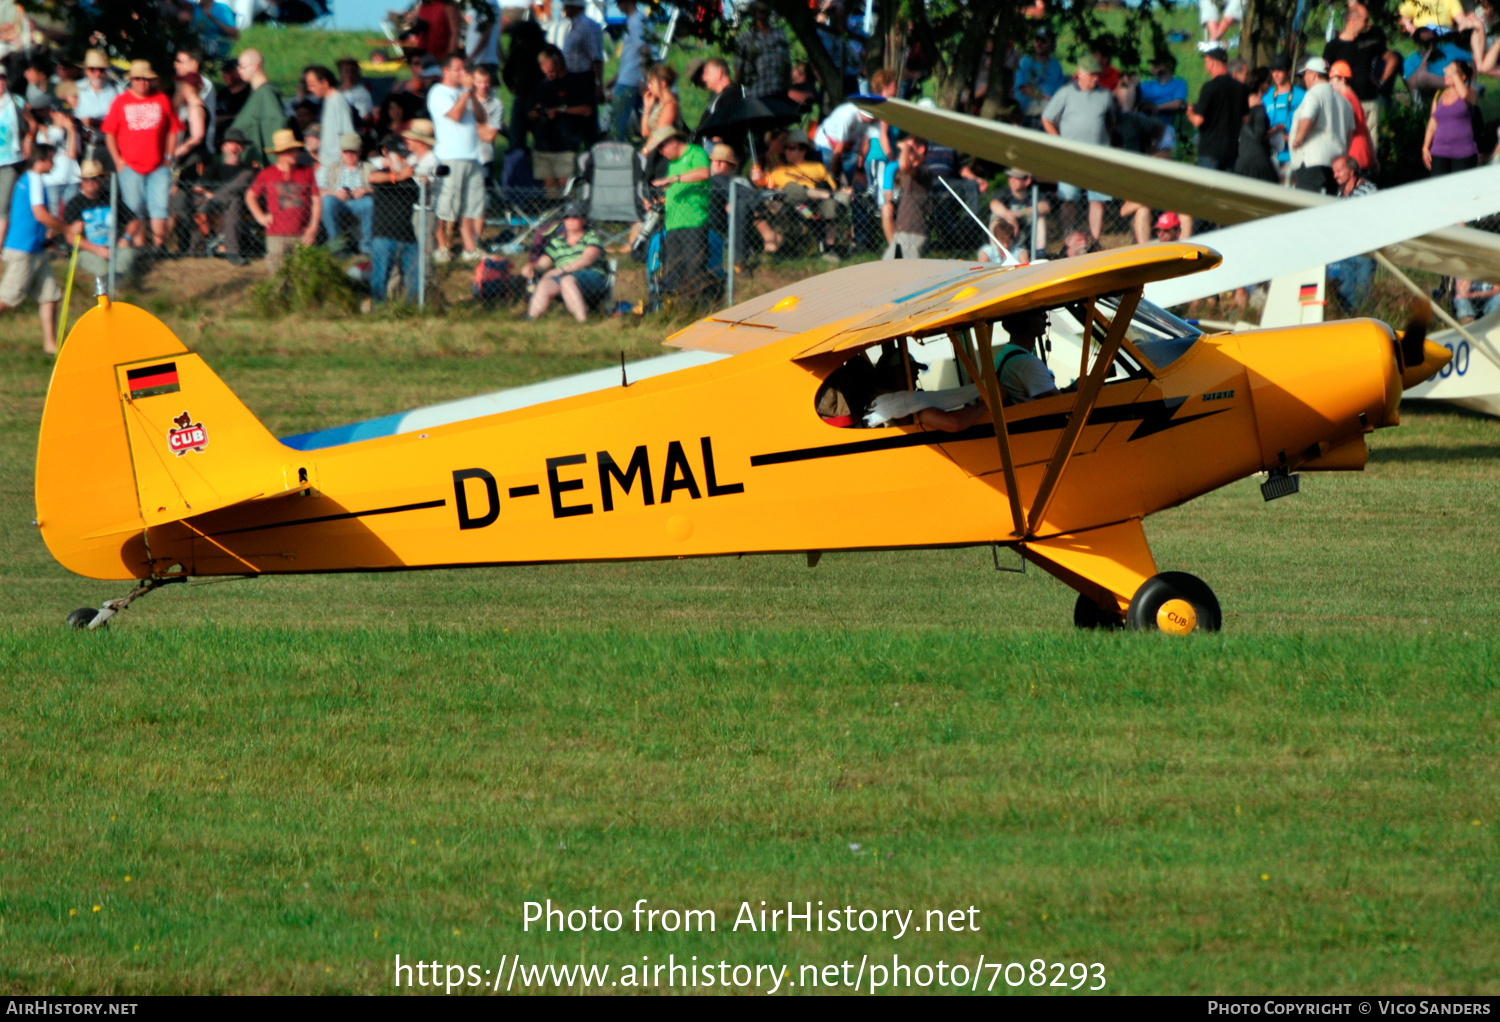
1155 332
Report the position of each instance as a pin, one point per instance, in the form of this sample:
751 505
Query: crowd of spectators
213 160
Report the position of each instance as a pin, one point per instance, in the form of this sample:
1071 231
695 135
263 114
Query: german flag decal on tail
148 381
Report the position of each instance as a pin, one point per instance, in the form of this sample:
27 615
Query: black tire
1157 590
82 617
1088 614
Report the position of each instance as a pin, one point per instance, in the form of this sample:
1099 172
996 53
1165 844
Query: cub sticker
188 436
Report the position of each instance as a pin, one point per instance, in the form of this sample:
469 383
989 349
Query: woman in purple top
1450 145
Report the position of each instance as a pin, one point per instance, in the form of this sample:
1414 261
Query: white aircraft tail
1295 299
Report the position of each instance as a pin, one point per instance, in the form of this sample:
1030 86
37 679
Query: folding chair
611 181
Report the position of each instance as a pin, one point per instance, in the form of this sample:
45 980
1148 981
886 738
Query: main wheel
82 617
1174 602
1088 614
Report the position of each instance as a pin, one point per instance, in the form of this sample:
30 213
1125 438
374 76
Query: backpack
493 281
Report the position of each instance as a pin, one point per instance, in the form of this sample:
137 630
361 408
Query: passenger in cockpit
1023 376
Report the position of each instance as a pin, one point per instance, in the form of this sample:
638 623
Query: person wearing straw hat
27 271
684 245
98 93
284 200
141 133
90 218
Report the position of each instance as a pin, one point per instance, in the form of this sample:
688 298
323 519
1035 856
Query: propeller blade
1412 338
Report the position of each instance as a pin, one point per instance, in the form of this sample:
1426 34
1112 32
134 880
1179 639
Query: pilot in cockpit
1023 376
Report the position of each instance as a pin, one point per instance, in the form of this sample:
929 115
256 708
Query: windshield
1155 332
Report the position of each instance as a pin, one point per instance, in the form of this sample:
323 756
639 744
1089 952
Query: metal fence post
1035 201
731 242
422 244
114 229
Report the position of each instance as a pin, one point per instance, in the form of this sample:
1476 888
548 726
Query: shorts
1209 11
9 175
28 274
149 193
592 284
1070 193
905 246
462 194
549 166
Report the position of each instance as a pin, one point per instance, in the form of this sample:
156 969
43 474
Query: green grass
304 777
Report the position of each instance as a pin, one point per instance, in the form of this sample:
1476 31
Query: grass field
280 785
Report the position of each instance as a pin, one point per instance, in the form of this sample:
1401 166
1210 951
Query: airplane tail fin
138 432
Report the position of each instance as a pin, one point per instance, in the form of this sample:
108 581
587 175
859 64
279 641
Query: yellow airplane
149 468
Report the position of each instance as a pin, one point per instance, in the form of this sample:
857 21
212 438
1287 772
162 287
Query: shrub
309 281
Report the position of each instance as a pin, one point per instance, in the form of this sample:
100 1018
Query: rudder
137 432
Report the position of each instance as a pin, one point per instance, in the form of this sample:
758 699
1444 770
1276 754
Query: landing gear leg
90 619
1174 602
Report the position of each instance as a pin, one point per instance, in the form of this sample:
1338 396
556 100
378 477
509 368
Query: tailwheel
82 617
1176 603
1088 614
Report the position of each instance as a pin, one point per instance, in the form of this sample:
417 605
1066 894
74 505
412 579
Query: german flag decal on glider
148 381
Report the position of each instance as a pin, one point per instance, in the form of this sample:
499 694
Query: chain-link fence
459 233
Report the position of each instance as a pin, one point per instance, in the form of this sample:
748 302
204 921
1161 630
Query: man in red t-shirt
284 199
141 131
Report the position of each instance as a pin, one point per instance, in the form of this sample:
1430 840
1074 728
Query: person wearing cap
27 271
347 193
1282 100
262 115
840 137
583 49
562 120
1038 77
98 93
141 132
393 176
89 217
217 194
1168 227
684 246
284 199
1361 146
1363 48
1010 213
1321 129
571 266
457 116
1218 113
1082 112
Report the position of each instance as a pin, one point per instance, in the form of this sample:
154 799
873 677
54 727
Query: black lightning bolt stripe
1153 416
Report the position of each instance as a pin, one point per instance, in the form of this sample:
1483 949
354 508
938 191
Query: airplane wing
1165 184
1261 249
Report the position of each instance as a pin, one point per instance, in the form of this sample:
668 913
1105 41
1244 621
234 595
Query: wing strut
1088 394
989 388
